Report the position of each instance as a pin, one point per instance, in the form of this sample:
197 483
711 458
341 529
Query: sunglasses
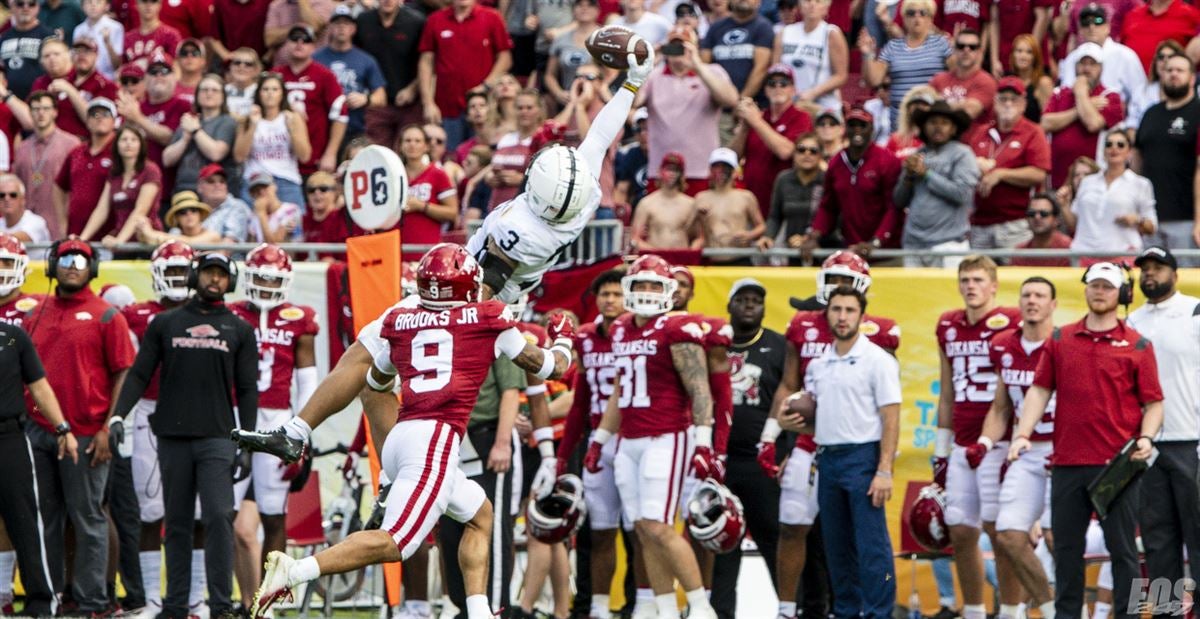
99 113
185 211
321 188
779 83
1095 20
24 5
589 77
828 123
1112 144
241 63
1036 214
130 81
916 12
807 150
191 52
77 262
967 46
1165 56
158 71
300 37
12 195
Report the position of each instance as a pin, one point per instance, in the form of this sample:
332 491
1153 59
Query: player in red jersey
662 392
968 386
286 336
809 336
14 264
440 351
1025 489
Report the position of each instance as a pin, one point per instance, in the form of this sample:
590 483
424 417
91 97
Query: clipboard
1120 472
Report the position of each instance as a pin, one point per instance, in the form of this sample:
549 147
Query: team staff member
756 359
20 504
1171 320
86 344
1107 393
207 356
858 385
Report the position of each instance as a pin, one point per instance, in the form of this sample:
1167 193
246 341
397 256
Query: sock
697 598
1102 610
477 607
667 607
304 570
297 428
151 561
1047 609
646 594
420 608
974 611
787 609
600 605
946 602
8 561
199 581
1009 611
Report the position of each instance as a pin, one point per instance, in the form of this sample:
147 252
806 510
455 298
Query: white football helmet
558 183
173 285
270 264
649 268
14 263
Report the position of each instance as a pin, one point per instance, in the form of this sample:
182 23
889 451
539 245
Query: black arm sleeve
246 376
31 364
144 365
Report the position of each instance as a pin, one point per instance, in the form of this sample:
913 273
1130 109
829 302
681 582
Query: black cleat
276 442
378 509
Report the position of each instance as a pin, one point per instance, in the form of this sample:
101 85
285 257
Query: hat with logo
1158 254
1105 271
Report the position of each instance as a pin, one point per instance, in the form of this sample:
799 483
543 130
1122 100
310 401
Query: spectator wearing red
1043 216
684 101
325 221
82 178
55 59
1010 18
192 18
131 194
1074 118
314 93
858 193
966 86
192 60
432 201
957 15
41 156
766 138
1149 24
77 86
151 36
465 46
237 24
284 15
157 115
1014 158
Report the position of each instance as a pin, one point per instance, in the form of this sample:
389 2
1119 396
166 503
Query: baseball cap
828 113
1105 271
860 115
747 283
105 103
189 41
214 259
305 28
161 58
1093 14
685 9
75 246
780 68
673 159
1090 50
131 69
86 42
212 169
341 12
1012 83
260 179
1159 254
725 156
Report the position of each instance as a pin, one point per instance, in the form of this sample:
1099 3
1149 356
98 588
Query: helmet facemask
267 287
647 303
12 271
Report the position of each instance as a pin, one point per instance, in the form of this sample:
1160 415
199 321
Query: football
611 46
804 405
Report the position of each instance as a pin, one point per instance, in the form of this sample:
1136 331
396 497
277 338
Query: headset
52 260
1125 292
193 276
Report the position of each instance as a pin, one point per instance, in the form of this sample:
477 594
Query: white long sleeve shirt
1173 326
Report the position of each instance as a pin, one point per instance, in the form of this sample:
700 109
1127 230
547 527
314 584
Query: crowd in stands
921 124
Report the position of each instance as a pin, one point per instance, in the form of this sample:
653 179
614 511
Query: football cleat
275 585
275 442
378 509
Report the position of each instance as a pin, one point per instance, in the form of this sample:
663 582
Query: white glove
638 73
122 438
547 474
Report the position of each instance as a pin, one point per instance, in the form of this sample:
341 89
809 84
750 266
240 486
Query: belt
10 425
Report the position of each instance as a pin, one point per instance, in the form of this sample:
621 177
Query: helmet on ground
715 517
557 516
927 519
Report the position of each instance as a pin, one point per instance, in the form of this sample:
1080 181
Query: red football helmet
169 266
408 279
268 275
448 276
927 519
553 519
714 517
649 268
843 264
14 262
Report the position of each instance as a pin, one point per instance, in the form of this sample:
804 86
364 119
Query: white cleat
275 585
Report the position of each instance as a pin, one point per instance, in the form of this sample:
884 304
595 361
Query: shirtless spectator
667 218
730 216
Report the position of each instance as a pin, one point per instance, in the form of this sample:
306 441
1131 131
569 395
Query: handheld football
803 404
611 46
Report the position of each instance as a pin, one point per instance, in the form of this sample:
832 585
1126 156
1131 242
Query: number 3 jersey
653 399
278 334
968 349
1017 361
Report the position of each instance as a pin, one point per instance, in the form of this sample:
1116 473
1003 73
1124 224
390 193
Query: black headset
1125 292
52 261
193 276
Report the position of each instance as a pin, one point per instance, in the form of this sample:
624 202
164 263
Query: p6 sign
375 188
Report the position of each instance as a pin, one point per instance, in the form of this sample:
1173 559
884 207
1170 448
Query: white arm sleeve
510 343
306 384
606 128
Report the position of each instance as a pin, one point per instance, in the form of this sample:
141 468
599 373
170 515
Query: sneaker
945 612
276 442
378 509
274 585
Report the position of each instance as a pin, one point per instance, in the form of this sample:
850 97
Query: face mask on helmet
560 514
12 271
648 300
825 286
169 278
558 184
267 288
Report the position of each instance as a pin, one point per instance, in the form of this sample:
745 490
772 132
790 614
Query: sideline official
1108 393
1170 517
207 356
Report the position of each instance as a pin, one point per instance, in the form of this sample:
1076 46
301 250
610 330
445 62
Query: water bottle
914 606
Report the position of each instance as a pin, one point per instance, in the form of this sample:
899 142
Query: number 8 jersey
653 400
968 347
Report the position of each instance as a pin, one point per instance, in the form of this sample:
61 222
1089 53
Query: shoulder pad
1142 344
108 315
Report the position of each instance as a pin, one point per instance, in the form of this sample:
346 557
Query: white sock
787 609
697 598
946 602
151 561
600 605
667 607
974 611
477 607
297 428
8 561
1009 611
199 580
1047 609
304 570
421 608
646 594
1102 610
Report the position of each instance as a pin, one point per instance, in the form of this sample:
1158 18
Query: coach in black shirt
207 356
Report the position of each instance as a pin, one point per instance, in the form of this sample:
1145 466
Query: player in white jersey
521 239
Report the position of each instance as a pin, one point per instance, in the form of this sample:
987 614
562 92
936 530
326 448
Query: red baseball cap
131 69
860 114
673 159
212 169
75 246
1013 83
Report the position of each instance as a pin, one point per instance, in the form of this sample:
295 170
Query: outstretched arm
611 120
